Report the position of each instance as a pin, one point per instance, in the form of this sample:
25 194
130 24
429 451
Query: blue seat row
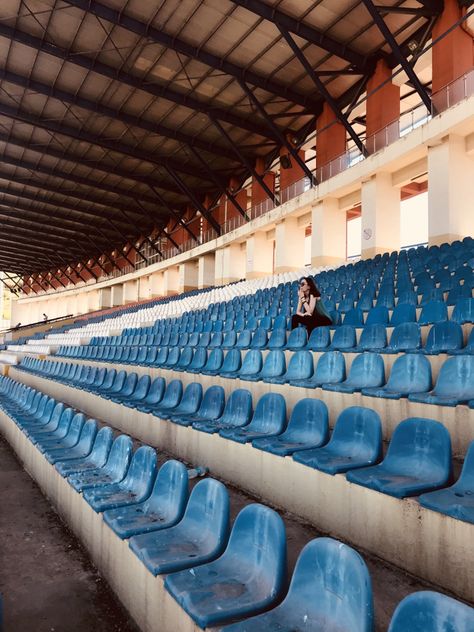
174 533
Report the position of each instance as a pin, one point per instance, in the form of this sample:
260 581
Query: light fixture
412 46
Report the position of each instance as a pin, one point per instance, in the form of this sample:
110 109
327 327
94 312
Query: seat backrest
192 398
406 336
213 402
244 339
331 367
142 471
373 337
445 336
270 414
239 408
300 366
230 339
456 378
252 362
102 444
274 364
367 369
214 361
207 514
319 339
354 317
170 491
185 357
403 313
420 447
199 358
129 384
308 422
157 389
463 311
87 436
344 337
232 361
358 430
377 314
339 577
298 338
277 339
428 611
259 339
74 430
172 395
410 373
433 312
142 387
173 356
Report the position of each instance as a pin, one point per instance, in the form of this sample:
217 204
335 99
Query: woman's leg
297 320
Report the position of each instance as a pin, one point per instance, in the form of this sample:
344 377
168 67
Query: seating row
189 538
418 458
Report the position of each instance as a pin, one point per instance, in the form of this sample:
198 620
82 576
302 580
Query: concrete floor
46 579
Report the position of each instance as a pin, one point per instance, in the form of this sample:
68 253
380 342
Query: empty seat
463 311
405 337
154 395
469 348
331 367
456 501
211 408
330 591
277 339
319 339
300 367
455 383
134 488
251 365
163 509
307 428
274 365
344 338
410 373
428 611
74 446
171 398
377 315
248 578
443 338
404 312
214 362
188 404
95 459
433 312
269 419
354 317
418 460
200 537
259 339
232 363
356 441
198 361
372 338
237 413
297 339
139 394
367 369
244 339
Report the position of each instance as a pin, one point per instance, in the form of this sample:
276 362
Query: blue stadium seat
277 339
308 427
463 311
53 430
372 338
354 317
356 441
456 501
259 339
134 488
418 460
154 396
117 385
331 368
232 363
405 337
410 373
216 340
71 448
188 404
455 383
170 400
367 370
163 509
185 358
254 562
244 339
198 361
433 312
298 339
403 313
237 413
300 367
377 315
251 365
214 363
274 365
468 349
172 358
200 537
210 408
113 471
230 339
269 419
330 591
344 338
139 394
95 459
319 339
428 611
443 338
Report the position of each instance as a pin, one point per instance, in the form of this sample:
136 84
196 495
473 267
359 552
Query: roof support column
293 178
450 177
188 276
170 281
229 264
289 245
206 270
383 109
259 259
328 234
330 144
380 216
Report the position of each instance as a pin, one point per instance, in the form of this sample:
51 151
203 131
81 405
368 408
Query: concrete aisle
46 579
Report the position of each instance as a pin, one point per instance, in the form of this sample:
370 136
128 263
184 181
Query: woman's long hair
313 290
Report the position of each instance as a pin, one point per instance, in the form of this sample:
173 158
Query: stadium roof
117 115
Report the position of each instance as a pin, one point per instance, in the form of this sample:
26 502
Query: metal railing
454 92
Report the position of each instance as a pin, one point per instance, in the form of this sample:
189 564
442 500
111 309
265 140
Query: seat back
102 444
173 356
378 315
358 432
142 472
238 409
214 361
308 422
216 340
129 385
244 339
277 338
331 367
367 370
405 336
74 430
445 336
156 391
319 339
230 339
354 317
142 387
456 378
428 611
344 337
207 514
259 339
213 402
87 436
232 361
170 492
252 362
463 311
172 395
433 312
274 364
191 399
269 415
410 373
373 337
403 313
300 366
298 338
333 582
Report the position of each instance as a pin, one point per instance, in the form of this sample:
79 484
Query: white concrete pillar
380 216
233 263
289 245
93 301
328 234
188 276
206 271
105 298
219 266
130 291
117 294
170 281
450 180
143 288
156 284
259 256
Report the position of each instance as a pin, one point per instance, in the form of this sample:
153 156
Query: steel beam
156 90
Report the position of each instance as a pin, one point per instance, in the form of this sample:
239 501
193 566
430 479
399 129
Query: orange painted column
290 170
259 194
383 109
452 55
241 198
330 143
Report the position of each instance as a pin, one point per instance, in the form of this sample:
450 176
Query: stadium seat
134 488
463 311
254 562
274 365
269 419
300 367
163 509
170 400
433 312
237 413
344 338
410 373
298 339
456 501
454 386
97 458
139 394
154 396
277 339
308 427
214 362
372 338
354 317
232 363
76 445
200 537
251 364
331 367
211 408
443 338
113 471
377 315
418 460
468 349
330 590
199 360
259 339
367 370
188 404
319 339
428 611
406 337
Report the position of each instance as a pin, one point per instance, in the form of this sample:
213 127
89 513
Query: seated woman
308 313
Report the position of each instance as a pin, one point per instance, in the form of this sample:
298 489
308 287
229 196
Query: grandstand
170 170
